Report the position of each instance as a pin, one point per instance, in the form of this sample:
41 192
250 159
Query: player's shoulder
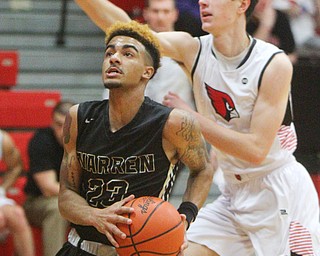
265 48
274 56
90 108
181 120
280 64
93 104
177 115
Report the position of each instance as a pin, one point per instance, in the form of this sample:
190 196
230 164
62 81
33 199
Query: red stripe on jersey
287 137
300 240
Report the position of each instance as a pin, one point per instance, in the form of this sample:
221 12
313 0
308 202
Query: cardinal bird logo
222 103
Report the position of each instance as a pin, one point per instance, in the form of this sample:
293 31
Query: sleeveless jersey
229 96
170 77
128 161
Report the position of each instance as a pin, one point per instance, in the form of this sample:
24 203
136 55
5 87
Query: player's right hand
106 219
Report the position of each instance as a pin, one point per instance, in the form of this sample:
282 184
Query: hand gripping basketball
156 229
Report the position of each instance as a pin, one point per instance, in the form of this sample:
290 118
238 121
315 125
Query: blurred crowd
289 24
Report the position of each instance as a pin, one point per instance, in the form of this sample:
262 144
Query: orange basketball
156 229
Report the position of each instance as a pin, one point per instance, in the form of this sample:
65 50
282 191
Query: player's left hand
185 243
174 101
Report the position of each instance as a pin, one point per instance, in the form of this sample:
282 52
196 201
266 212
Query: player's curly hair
140 32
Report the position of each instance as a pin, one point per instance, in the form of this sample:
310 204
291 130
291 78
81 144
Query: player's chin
112 84
206 24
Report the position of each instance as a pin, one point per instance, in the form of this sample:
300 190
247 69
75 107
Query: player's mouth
205 15
113 71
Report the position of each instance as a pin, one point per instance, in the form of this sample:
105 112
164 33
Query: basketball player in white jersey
268 205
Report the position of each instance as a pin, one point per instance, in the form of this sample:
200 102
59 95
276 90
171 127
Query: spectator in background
12 217
189 18
272 26
42 188
304 18
161 16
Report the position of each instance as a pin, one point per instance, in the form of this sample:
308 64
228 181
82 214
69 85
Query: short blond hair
141 33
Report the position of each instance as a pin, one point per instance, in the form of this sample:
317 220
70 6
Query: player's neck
122 110
231 45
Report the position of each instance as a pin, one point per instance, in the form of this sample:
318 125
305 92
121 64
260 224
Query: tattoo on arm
195 153
66 167
71 174
66 129
187 129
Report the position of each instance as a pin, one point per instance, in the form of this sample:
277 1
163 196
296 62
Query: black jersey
128 161
45 153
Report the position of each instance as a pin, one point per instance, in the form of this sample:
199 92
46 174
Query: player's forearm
244 146
50 189
198 186
102 12
11 176
14 168
74 208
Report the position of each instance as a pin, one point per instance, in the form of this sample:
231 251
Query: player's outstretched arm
173 44
102 12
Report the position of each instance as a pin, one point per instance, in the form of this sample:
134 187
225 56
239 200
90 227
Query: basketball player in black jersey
125 147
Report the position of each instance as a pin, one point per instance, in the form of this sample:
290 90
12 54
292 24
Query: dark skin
182 140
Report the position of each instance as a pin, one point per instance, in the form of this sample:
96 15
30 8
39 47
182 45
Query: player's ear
148 72
243 5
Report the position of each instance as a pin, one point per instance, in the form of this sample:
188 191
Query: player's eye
128 54
108 53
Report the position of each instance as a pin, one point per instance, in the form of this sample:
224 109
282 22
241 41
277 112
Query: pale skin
226 21
125 71
12 217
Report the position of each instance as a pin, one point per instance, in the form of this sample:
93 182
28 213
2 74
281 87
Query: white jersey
229 96
261 210
170 77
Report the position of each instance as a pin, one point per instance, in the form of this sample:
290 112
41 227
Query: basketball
156 229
